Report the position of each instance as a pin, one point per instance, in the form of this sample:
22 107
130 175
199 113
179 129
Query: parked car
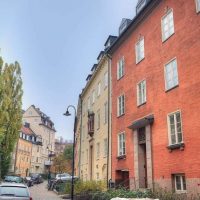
14 179
36 178
64 177
14 191
29 182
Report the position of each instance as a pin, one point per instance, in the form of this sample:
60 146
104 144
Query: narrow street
40 192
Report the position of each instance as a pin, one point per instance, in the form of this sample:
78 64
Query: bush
86 187
122 193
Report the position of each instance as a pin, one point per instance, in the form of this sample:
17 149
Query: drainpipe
109 157
79 172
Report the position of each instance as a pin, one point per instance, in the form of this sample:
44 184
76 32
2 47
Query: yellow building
43 127
23 152
92 155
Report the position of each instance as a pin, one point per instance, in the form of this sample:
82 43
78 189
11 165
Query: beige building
93 126
43 127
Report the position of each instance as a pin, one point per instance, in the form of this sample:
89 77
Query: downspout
79 172
109 157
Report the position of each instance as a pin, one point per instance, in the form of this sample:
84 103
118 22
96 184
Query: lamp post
49 155
67 113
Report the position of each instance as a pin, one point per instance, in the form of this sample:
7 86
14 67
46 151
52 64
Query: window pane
184 182
178 182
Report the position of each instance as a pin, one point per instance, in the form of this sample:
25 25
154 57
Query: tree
61 165
10 111
68 152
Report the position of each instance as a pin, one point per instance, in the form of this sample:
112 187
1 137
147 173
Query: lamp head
67 113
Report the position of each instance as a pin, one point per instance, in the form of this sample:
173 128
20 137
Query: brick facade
184 45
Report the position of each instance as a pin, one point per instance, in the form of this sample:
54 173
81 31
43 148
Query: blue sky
56 43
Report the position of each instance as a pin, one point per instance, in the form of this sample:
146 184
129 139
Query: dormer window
141 4
124 24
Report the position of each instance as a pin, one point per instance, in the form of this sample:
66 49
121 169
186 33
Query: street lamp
67 113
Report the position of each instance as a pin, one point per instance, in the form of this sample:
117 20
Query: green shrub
122 193
86 186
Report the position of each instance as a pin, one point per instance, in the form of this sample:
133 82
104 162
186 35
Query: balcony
48 163
91 123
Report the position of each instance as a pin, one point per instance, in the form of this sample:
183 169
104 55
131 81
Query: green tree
10 111
68 152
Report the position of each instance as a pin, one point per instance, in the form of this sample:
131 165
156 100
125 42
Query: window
87 155
180 183
93 97
105 112
121 144
139 50
121 105
198 5
106 79
120 68
171 75
141 93
167 25
105 147
24 136
175 128
88 103
91 123
99 89
98 150
98 119
20 134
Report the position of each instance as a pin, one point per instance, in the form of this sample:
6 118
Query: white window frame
120 107
98 150
164 38
105 147
105 112
122 150
182 190
165 74
106 80
197 2
120 68
93 96
139 52
99 89
98 119
144 95
175 125
88 103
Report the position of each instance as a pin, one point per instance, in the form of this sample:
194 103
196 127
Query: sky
56 43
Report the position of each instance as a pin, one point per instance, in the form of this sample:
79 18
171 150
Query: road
40 192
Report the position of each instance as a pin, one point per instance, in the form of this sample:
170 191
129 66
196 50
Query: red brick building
156 95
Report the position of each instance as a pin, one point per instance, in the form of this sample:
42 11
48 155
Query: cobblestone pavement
40 192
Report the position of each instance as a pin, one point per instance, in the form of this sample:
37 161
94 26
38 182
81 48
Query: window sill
121 157
164 40
181 191
120 77
167 90
141 104
139 61
180 146
120 115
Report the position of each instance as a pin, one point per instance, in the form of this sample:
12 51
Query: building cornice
99 65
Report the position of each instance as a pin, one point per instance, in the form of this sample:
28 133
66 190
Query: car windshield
34 175
13 191
15 179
